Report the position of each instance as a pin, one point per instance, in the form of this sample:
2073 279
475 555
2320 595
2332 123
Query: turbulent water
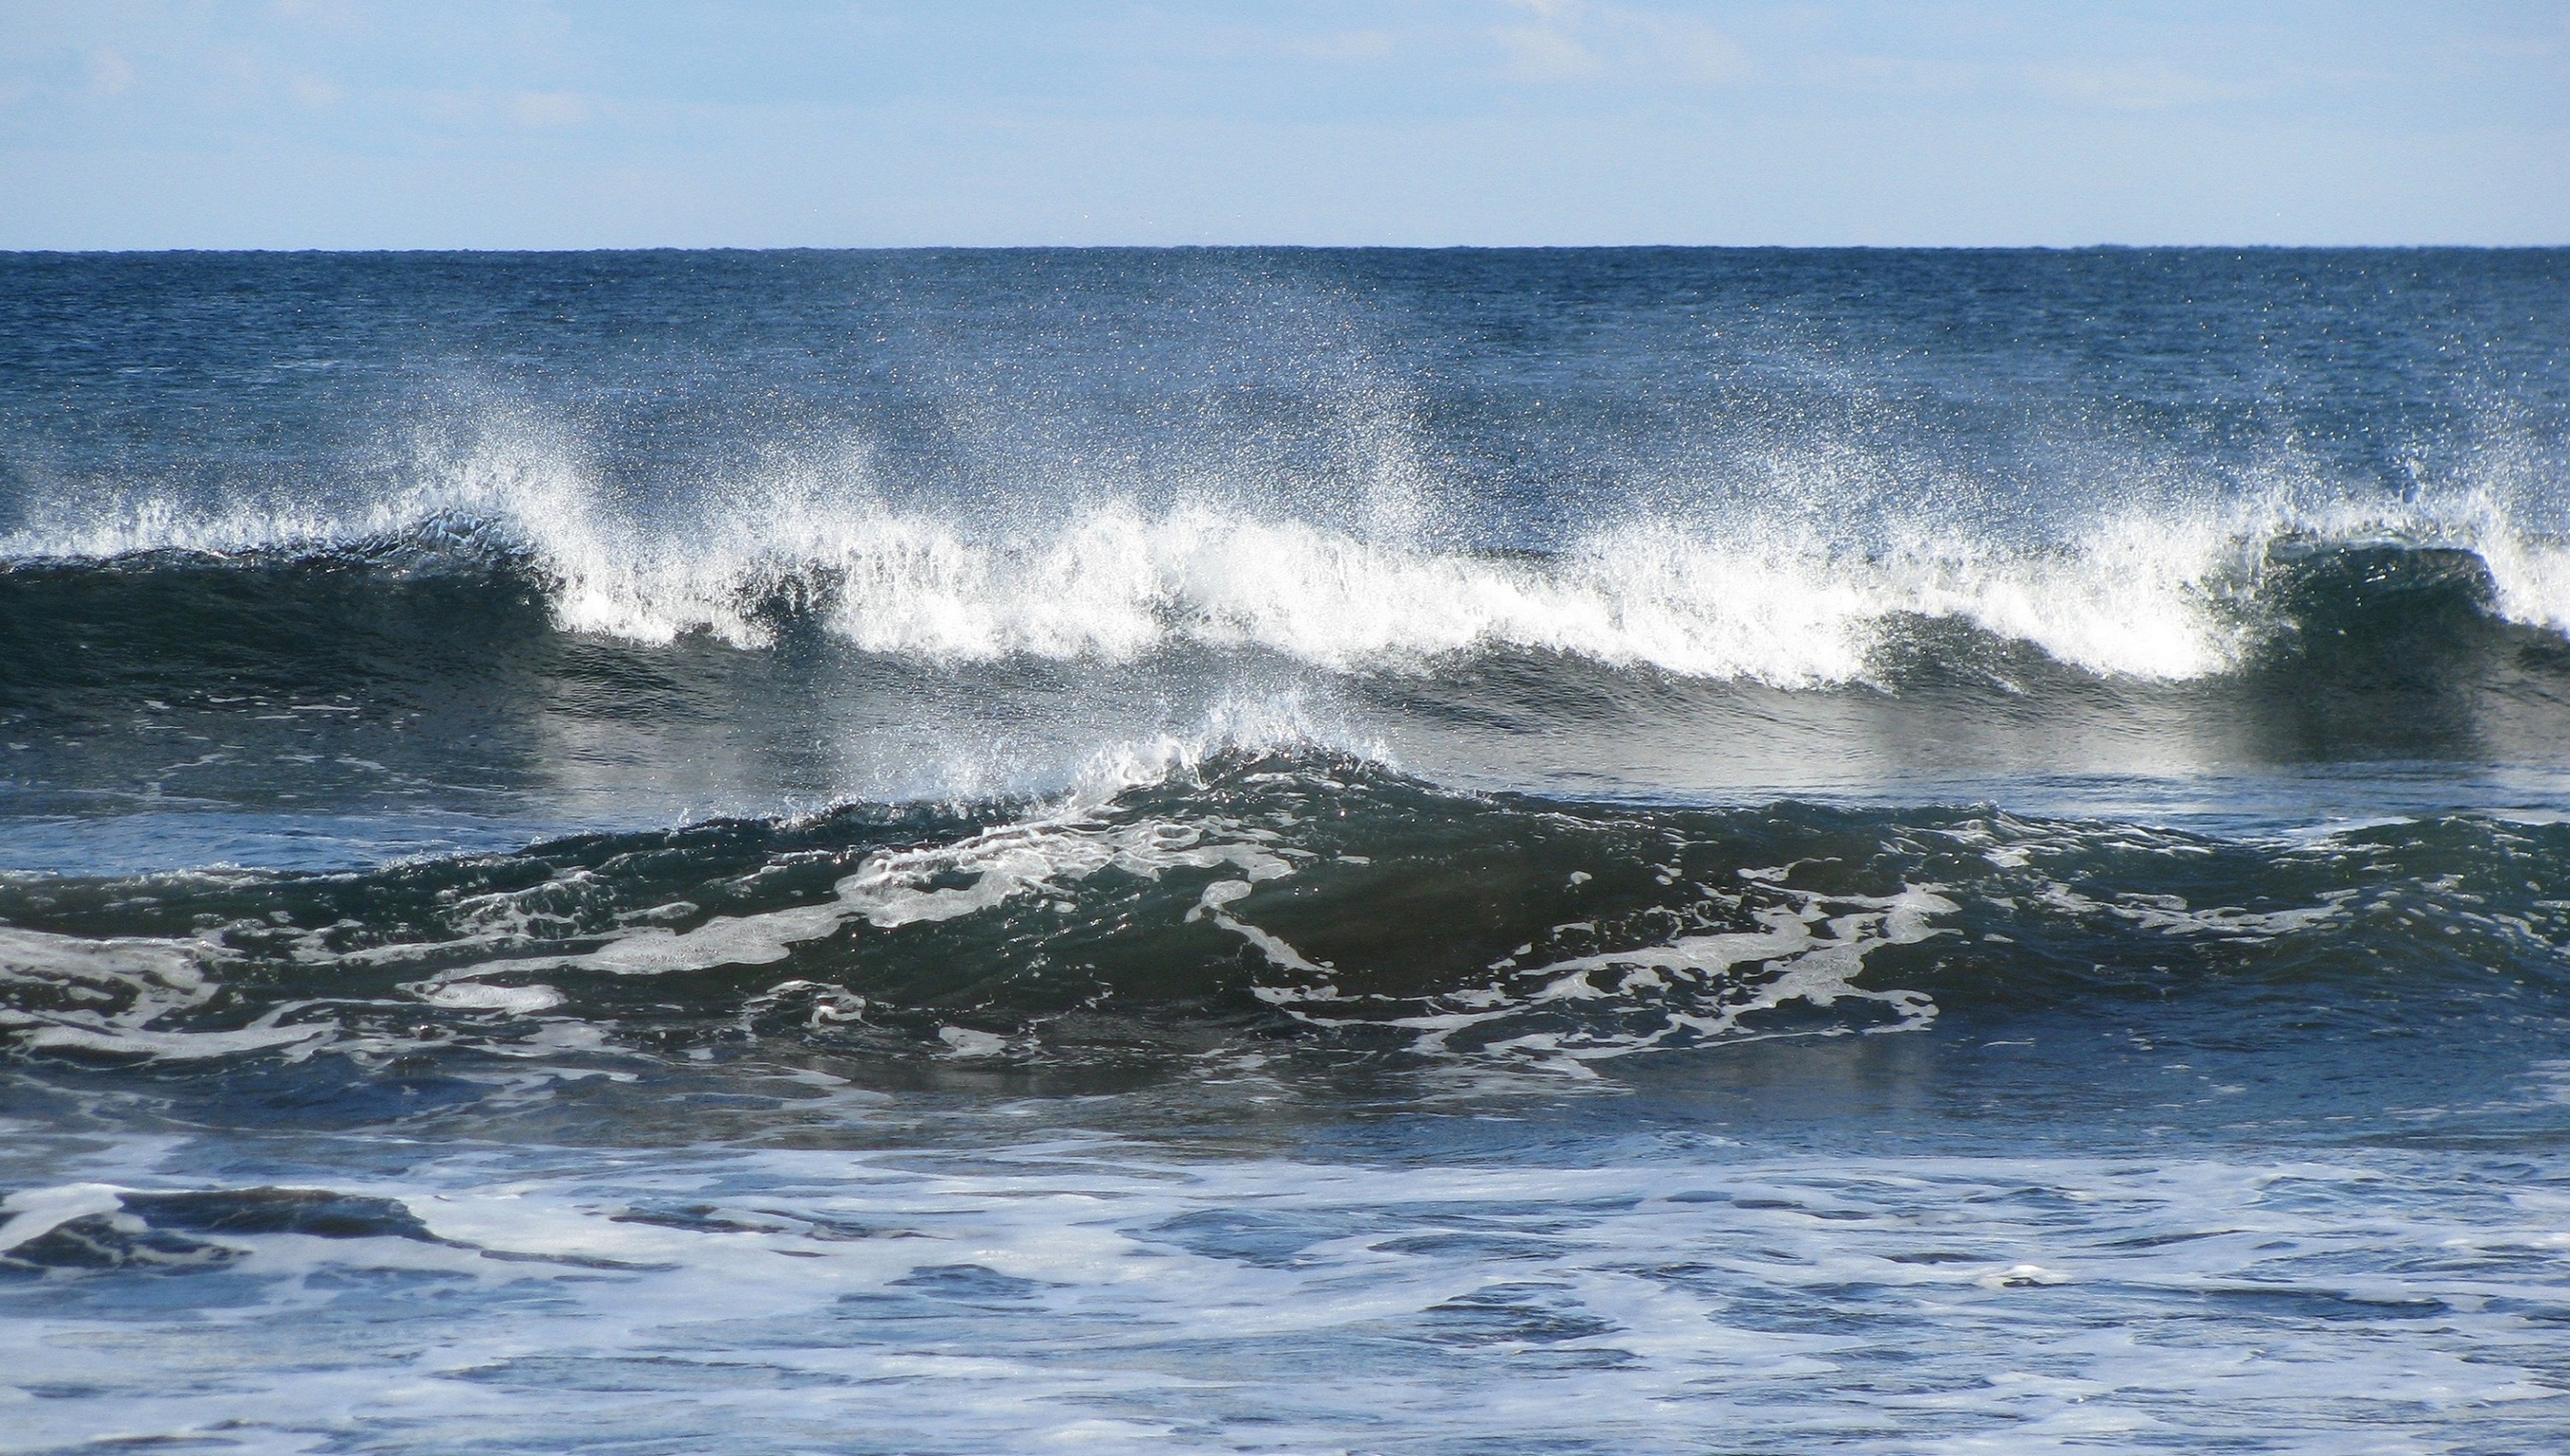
1286 851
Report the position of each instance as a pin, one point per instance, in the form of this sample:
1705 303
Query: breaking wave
2140 595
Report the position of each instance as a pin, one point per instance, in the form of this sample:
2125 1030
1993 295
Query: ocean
1286 851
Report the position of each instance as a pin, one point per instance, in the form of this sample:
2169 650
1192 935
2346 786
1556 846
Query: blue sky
352 124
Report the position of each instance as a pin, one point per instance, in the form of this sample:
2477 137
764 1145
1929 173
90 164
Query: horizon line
994 248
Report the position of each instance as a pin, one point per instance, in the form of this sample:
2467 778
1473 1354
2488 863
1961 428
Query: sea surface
1285 851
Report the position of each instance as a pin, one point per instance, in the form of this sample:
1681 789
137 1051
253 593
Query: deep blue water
1286 851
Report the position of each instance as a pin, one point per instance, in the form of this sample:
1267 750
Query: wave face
1304 901
1235 849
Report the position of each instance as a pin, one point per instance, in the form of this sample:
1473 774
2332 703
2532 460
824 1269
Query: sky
350 124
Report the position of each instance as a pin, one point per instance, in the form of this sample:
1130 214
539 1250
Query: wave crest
2151 594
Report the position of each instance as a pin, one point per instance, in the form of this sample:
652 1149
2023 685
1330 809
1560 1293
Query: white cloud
1345 47
548 108
1904 76
325 14
1571 40
2138 88
1691 48
109 74
1540 54
2131 87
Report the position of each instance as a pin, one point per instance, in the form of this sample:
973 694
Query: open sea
1617 851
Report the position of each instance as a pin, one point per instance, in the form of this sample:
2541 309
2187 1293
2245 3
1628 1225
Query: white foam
493 947
1114 584
36 1212
126 995
1040 856
106 996
964 1041
2142 592
1796 589
1811 951
1061 1291
479 997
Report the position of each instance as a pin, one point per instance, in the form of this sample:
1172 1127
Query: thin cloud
321 14
109 73
1570 41
1353 47
548 108
2133 88
1540 54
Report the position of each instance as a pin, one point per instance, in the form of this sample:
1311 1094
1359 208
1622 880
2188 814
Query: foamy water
1102 1295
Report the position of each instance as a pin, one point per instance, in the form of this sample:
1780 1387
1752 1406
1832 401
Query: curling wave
2140 597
